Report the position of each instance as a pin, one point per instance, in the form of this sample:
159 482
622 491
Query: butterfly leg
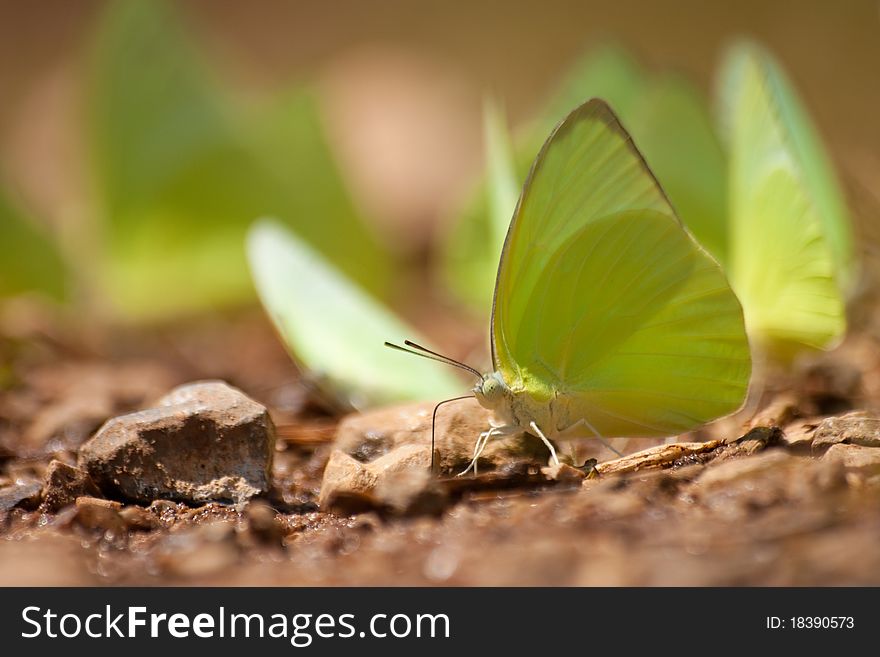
553 457
479 447
596 435
483 440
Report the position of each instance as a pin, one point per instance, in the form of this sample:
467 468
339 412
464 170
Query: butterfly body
513 408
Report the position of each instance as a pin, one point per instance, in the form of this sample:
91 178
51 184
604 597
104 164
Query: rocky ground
116 467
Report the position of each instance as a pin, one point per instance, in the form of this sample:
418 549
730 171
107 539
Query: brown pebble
97 514
262 522
398 482
63 485
139 518
864 461
563 472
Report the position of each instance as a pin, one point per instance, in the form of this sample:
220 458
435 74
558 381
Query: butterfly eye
490 388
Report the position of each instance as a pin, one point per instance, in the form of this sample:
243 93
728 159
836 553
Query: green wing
673 127
790 236
473 248
181 170
335 329
674 130
604 302
609 72
30 261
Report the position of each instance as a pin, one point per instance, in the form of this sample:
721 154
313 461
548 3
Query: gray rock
205 441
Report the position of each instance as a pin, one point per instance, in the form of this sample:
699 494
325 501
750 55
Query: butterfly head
491 390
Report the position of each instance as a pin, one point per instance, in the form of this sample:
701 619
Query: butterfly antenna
418 350
434 422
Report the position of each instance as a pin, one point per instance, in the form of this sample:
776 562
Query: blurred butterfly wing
790 240
473 248
805 147
336 330
609 72
604 304
674 129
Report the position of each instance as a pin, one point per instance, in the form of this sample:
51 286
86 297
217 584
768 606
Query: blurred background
139 140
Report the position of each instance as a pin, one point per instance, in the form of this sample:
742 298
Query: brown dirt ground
762 512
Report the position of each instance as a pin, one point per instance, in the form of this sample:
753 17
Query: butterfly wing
604 303
335 329
790 240
673 127
474 246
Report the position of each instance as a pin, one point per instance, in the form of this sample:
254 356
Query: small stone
26 494
563 472
98 514
347 486
864 461
164 510
206 441
139 519
367 436
799 434
405 486
262 522
856 428
399 482
63 484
